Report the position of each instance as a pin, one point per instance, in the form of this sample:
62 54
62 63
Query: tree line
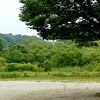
38 55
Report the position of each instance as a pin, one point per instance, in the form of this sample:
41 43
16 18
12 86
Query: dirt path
30 90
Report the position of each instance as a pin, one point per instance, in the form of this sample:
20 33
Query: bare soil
31 90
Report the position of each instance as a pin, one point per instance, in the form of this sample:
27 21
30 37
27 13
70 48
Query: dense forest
25 53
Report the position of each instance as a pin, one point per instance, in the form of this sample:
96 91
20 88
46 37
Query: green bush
2 64
2 69
90 54
97 68
22 67
46 65
65 55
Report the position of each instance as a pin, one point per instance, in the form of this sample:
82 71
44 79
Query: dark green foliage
62 19
1 45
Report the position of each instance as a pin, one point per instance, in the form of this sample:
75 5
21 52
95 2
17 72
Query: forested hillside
15 39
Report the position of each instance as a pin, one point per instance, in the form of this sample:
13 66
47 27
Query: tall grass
75 76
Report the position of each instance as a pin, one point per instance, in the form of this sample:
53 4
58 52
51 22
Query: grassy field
51 76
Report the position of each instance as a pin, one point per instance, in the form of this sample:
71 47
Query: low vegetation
51 76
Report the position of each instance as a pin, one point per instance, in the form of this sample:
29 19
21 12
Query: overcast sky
9 20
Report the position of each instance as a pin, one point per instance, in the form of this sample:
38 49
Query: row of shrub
6 67
20 67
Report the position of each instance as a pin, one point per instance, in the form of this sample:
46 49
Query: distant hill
15 39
